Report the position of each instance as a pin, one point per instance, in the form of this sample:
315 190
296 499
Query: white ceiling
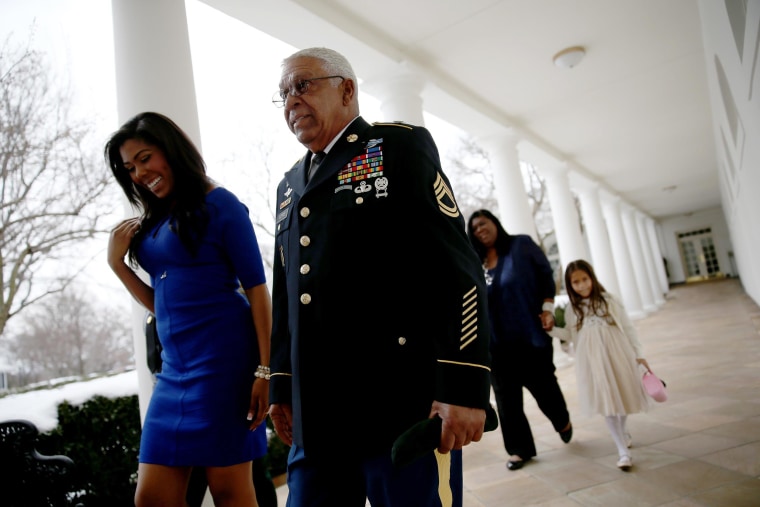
634 115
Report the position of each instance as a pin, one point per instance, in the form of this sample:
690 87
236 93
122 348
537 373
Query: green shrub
102 437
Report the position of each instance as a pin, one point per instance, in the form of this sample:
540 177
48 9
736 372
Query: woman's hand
121 237
257 411
547 320
118 246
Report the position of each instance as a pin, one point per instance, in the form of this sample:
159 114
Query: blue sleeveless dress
197 413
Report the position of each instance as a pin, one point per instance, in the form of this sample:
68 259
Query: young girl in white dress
607 354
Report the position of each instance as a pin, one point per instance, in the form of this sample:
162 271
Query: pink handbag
654 386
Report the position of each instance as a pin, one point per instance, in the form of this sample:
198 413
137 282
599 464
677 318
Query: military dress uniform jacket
379 300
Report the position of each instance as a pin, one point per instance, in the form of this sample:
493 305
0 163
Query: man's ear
349 90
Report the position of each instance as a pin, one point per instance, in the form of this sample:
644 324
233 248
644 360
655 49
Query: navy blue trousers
434 480
518 365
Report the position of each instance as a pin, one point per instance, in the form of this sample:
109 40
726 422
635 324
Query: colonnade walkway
700 448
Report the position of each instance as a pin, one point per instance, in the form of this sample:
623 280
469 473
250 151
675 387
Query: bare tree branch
68 335
54 190
468 168
540 207
261 177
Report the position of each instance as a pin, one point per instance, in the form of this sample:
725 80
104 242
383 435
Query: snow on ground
41 406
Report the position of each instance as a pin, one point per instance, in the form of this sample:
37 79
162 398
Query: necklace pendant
488 275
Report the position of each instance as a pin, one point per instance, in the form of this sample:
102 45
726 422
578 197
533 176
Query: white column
637 259
514 209
567 224
154 72
629 289
400 97
646 251
657 255
598 237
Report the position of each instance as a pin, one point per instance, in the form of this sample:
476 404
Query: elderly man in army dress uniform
379 303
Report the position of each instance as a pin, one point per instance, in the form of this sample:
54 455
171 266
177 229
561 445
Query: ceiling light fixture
569 57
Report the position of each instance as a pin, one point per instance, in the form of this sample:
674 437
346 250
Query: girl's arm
625 324
563 333
261 309
569 332
118 245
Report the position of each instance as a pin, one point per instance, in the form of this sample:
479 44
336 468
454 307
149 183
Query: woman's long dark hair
596 298
186 207
503 239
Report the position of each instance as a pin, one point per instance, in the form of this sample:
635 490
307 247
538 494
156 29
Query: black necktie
316 159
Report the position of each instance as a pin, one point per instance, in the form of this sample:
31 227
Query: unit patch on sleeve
445 197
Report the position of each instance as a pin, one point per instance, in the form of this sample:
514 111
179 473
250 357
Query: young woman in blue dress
197 243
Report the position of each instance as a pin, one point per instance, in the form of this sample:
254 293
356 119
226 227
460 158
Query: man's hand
461 425
282 420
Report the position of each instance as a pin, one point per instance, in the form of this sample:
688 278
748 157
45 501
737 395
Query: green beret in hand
425 436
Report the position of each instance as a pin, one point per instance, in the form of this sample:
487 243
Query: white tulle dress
606 348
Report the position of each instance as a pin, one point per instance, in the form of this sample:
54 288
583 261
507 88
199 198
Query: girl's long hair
503 239
186 207
596 299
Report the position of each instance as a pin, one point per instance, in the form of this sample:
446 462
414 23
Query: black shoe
567 434
516 464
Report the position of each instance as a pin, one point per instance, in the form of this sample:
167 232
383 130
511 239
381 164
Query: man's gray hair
334 63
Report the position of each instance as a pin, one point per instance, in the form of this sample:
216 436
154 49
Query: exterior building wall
731 35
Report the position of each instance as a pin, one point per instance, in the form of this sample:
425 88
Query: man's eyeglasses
296 89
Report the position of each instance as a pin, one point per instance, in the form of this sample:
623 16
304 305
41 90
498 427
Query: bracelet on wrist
548 307
263 372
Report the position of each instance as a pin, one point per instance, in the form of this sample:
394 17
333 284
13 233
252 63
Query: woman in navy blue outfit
521 310
197 243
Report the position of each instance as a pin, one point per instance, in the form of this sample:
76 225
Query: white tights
616 425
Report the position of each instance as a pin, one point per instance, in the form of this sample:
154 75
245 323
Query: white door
698 254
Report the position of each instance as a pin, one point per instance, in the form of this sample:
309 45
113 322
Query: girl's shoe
625 463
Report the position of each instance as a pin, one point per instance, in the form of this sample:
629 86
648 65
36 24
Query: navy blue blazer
522 280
